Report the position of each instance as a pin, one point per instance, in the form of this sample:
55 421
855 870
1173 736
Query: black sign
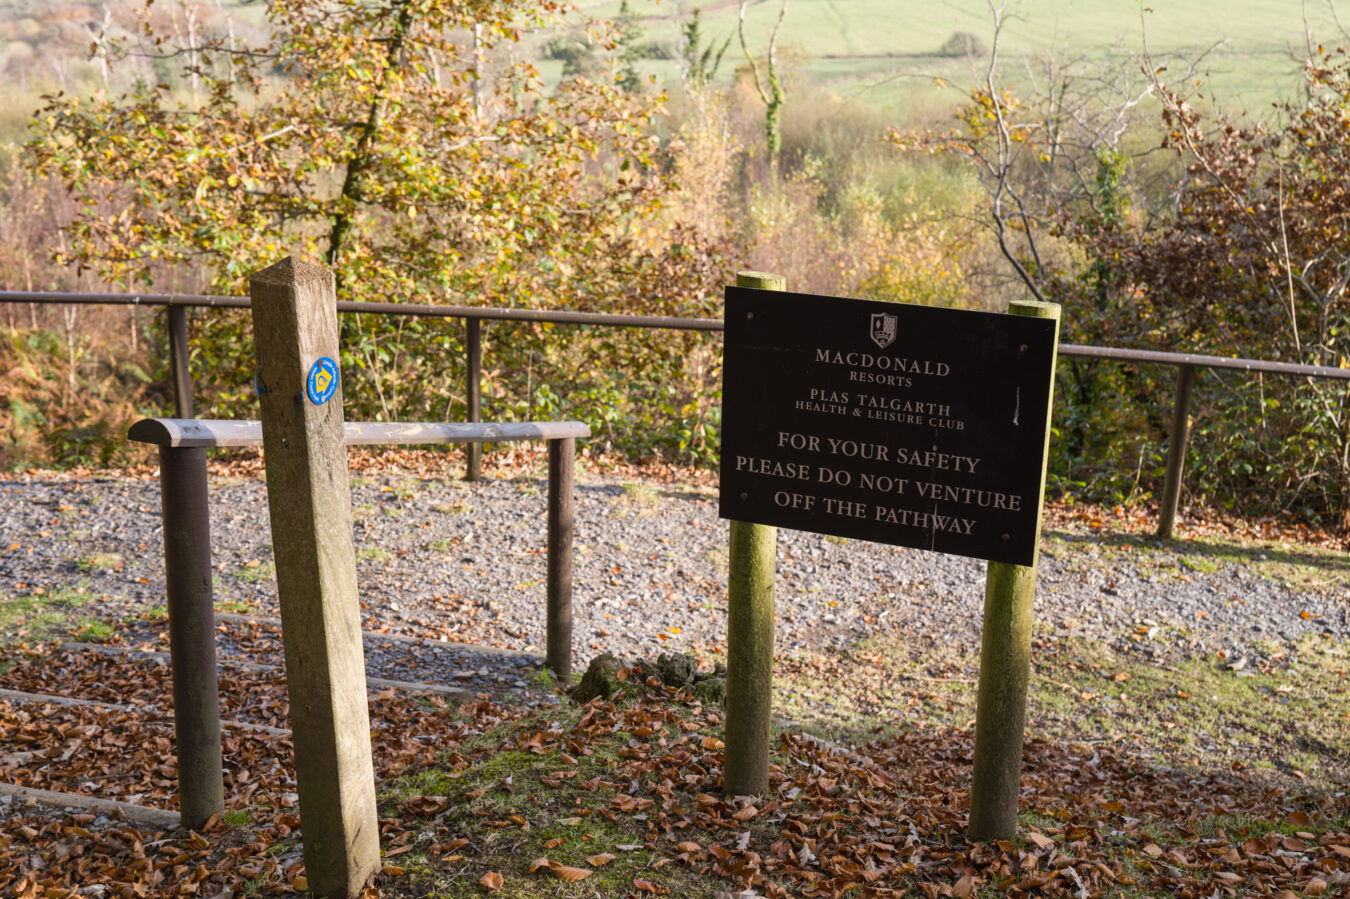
911 425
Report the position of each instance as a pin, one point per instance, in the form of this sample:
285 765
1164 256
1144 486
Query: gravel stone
446 561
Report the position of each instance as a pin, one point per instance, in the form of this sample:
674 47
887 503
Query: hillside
886 52
882 53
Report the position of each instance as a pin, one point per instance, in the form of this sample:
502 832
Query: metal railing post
561 526
473 393
178 362
192 633
1176 452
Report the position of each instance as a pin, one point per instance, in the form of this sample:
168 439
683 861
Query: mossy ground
1293 565
1285 716
32 614
511 807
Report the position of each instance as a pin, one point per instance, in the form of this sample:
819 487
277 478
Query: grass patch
1287 713
96 631
639 493
543 677
1283 715
237 817
1294 567
637 499
516 803
255 571
44 615
98 561
373 554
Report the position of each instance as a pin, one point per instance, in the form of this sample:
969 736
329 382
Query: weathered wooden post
1176 452
750 585
178 362
562 454
1005 664
192 634
473 394
296 334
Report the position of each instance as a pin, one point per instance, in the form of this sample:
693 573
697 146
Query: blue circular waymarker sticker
322 381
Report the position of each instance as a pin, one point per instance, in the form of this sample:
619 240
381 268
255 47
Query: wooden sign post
296 334
1005 666
750 637
910 425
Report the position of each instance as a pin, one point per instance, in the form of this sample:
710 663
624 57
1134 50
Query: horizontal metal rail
1291 369
567 317
416 310
474 316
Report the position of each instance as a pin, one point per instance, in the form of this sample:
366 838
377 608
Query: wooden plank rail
182 446
179 432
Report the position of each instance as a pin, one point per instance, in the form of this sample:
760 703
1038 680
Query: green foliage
700 61
1108 442
1251 262
772 92
354 135
630 50
578 56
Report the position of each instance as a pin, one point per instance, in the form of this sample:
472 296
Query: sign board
910 425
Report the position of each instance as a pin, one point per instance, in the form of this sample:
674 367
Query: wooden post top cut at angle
296 334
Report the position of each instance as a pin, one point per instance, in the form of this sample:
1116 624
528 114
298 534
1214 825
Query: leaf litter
878 819
644 773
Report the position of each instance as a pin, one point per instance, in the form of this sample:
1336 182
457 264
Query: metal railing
474 316
188 567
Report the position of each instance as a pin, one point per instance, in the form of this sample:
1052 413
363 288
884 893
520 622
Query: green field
885 52
881 53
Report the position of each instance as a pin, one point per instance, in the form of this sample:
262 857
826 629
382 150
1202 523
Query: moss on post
750 637
1005 663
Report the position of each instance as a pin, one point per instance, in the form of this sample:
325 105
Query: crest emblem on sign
883 329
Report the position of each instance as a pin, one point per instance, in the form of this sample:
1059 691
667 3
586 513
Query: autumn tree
353 135
770 87
1255 261
1237 247
699 61
1247 255
1063 147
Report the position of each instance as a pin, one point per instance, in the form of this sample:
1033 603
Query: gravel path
444 560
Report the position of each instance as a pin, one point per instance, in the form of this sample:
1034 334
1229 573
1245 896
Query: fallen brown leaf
569 874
